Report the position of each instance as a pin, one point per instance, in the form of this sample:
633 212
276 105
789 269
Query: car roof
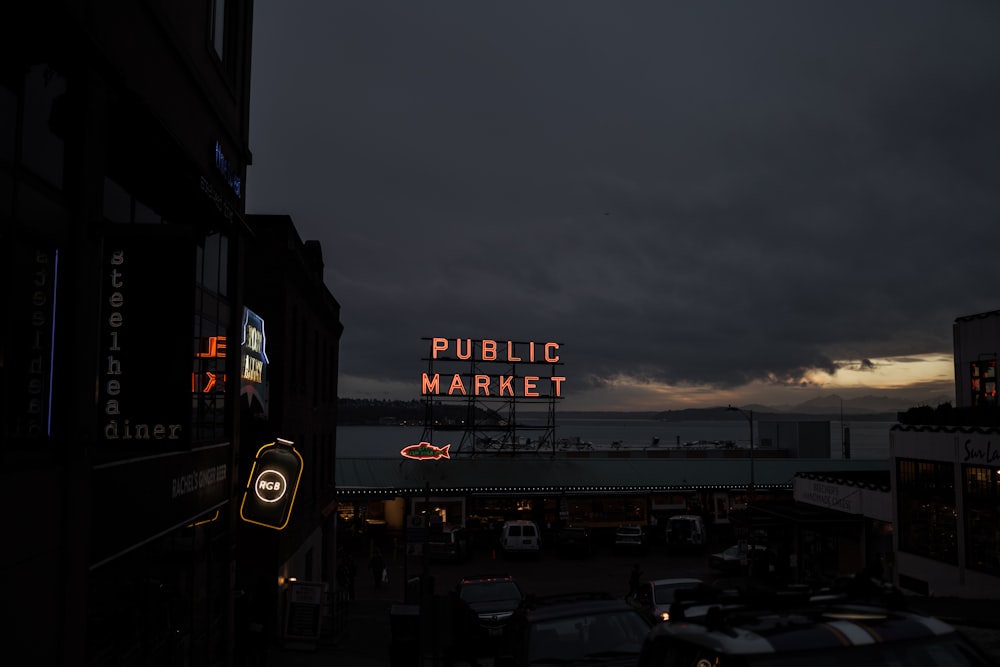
485 578
771 621
676 580
772 632
552 607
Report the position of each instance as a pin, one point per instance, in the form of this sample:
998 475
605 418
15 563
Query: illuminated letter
557 384
529 386
456 385
211 348
505 381
117 257
116 278
428 386
211 382
482 382
468 348
438 345
555 357
510 352
489 350
111 408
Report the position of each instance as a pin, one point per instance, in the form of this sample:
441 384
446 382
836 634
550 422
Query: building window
984 382
928 525
45 116
982 518
218 27
119 206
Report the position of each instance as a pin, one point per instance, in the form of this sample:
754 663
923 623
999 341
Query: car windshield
951 651
664 593
487 591
587 637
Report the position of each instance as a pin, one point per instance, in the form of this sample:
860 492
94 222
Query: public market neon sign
491 351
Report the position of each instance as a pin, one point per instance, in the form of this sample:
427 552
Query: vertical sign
253 363
274 480
27 399
144 396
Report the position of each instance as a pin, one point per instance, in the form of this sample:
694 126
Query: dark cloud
684 194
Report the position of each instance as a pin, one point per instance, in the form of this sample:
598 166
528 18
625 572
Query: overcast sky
704 203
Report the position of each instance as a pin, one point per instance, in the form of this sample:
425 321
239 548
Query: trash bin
404 628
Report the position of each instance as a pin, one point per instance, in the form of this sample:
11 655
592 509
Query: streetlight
749 416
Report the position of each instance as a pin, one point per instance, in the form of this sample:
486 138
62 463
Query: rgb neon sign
274 480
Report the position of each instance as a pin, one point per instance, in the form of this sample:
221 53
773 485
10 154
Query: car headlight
664 615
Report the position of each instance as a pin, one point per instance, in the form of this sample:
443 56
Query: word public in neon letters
492 351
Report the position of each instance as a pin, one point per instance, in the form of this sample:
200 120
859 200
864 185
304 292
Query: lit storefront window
984 382
982 518
928 524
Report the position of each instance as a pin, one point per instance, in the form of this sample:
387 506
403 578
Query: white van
520 537
685 531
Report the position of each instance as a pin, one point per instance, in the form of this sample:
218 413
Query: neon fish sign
425 451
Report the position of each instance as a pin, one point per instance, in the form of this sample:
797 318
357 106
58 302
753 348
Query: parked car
449 543
520 537
729 559
789 630
493 598
573 542
629 538
593 629
685 532
655 597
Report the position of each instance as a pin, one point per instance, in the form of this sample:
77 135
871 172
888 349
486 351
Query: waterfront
869 440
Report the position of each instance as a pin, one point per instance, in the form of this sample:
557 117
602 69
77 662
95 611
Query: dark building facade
124 142
301 320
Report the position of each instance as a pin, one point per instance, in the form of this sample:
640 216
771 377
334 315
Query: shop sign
425 451
33 278
486 351
274 481
144 395
253 362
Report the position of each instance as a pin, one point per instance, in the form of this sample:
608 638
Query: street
369 633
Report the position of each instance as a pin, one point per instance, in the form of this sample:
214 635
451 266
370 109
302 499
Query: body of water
869 440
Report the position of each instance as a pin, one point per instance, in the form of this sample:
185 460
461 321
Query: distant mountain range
864 407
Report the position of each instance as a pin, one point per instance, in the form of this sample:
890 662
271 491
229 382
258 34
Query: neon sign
228 170
425 451
274 480
254 362
491 351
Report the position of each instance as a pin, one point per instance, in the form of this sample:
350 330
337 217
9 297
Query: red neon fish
425 450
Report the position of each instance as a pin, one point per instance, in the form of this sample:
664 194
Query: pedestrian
377 565
346 573
633 580
352 575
